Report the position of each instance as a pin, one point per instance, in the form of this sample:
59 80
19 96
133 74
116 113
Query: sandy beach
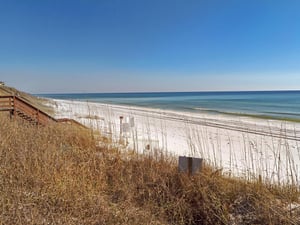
242 146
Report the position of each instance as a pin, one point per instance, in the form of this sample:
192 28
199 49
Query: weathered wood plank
23 109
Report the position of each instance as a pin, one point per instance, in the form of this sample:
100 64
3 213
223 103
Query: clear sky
56 46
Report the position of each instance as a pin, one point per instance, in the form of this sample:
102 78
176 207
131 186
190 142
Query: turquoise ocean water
266 104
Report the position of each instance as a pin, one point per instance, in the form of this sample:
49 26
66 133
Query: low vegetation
60 174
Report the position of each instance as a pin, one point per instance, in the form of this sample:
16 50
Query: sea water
266 104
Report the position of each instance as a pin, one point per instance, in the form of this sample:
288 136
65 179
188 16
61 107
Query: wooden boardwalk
18 107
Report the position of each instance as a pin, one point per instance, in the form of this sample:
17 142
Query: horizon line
153 92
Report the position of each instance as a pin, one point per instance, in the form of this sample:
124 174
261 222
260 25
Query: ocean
283 105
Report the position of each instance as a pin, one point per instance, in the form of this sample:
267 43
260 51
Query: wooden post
11 107
121 127
14 106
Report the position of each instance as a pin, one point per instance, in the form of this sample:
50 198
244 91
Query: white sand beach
242 146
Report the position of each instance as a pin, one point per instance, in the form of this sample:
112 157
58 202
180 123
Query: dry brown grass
59 175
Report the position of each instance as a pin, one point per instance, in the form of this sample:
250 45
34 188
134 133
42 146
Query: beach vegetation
63 174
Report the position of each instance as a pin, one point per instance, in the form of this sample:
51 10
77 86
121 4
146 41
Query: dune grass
62 175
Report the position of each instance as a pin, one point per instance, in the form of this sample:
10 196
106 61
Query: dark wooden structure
18 107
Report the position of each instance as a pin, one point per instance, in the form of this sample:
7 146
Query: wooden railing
38 116
6 103
19 107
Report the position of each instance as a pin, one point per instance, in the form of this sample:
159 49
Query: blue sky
61 46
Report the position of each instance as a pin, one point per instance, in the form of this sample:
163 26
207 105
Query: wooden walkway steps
18 107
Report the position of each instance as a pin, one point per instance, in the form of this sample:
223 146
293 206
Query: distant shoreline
163 92
272 105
